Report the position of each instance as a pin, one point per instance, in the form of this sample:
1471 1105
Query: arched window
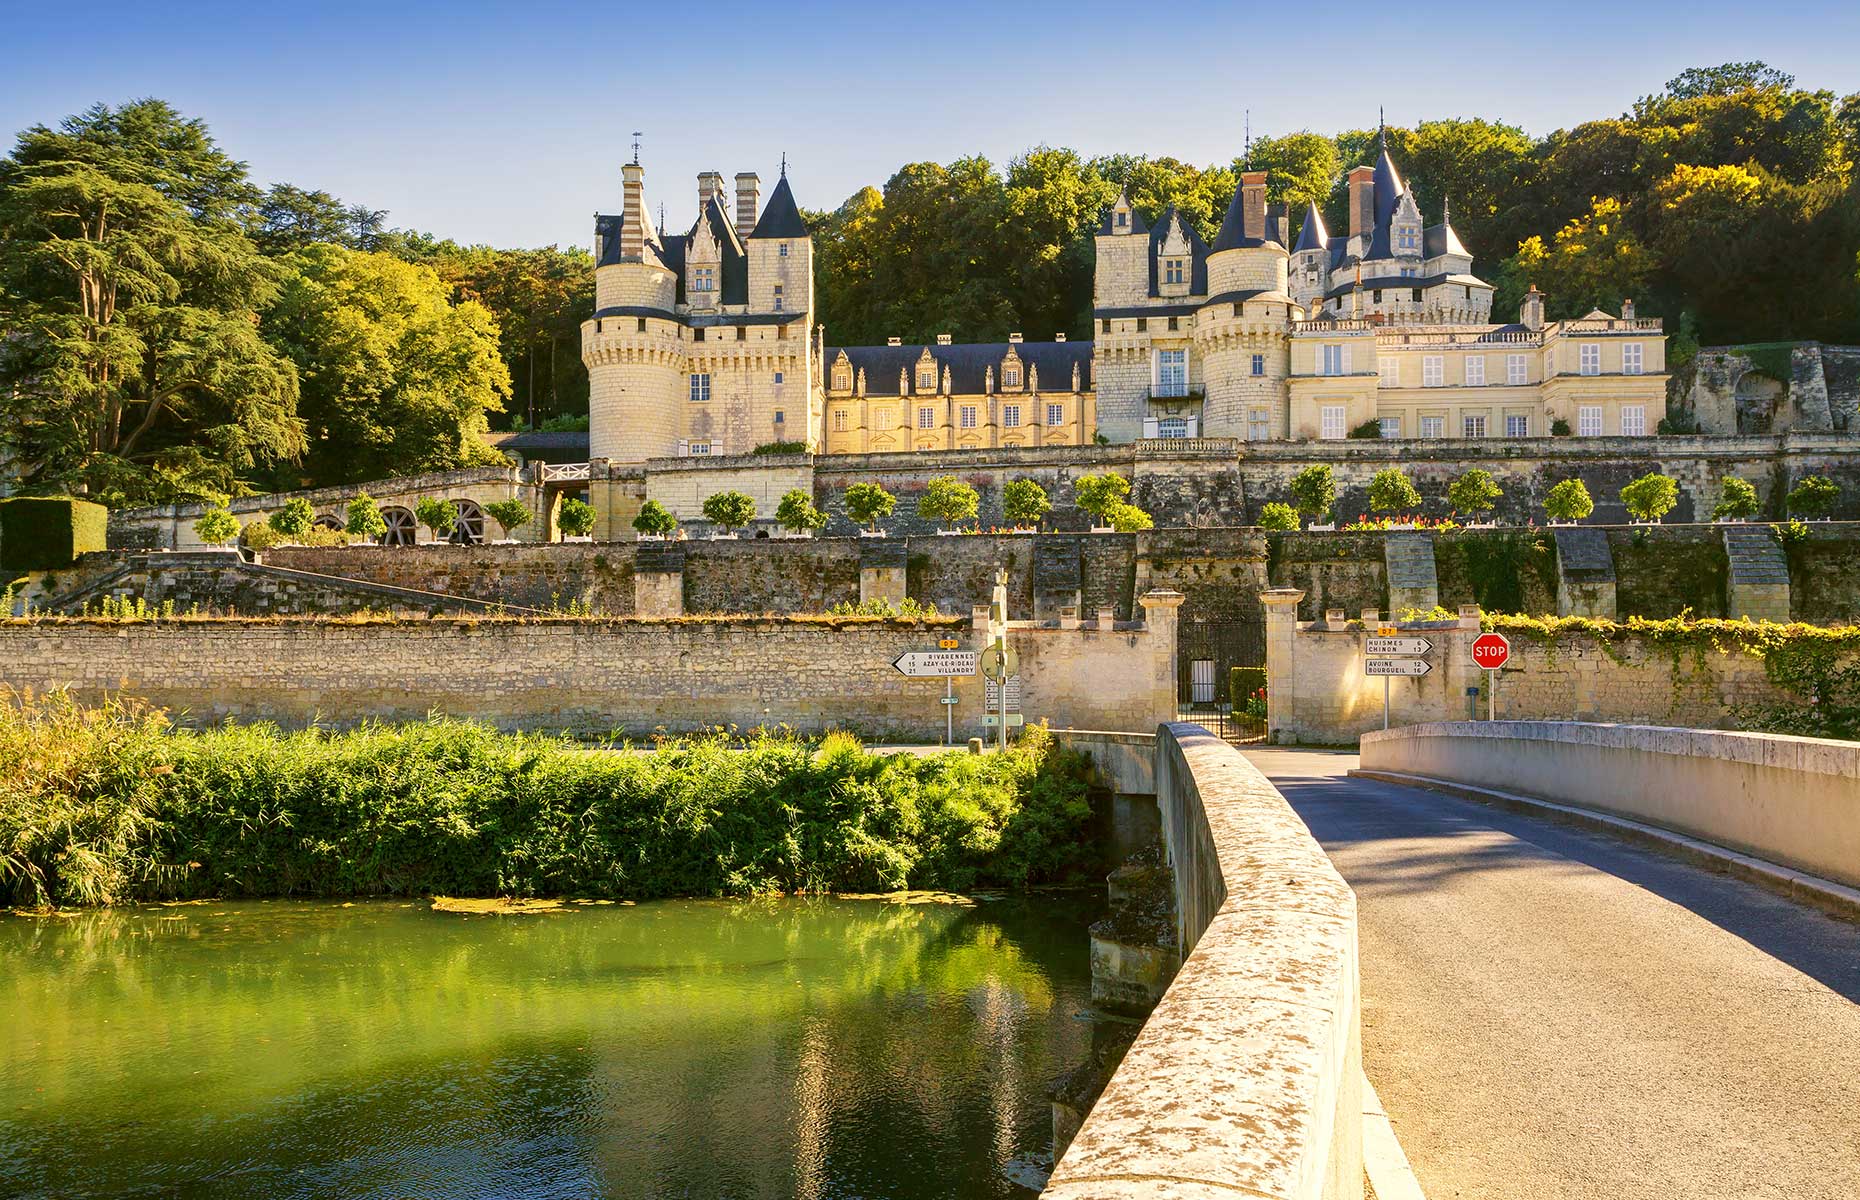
469 530
401 529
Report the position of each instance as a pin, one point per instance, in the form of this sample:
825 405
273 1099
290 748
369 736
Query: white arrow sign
935 664
1412 668
1397 647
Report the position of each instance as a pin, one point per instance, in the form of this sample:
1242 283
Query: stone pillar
1585 577
1408 558
882 569
1281 605
659 580
1160 620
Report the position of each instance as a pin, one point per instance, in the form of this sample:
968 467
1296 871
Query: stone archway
1759 400
402 530
468 530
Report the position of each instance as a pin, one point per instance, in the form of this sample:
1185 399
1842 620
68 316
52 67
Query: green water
790 1048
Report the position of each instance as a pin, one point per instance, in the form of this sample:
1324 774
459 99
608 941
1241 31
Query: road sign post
1491 651
1392 656
946 663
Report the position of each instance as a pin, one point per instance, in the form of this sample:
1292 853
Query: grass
113 804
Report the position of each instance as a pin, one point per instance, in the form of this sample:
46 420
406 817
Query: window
1589 421
1105 325
778 378
1175 323
1172 372
1377 298
782 251
926 418
1633 420
1590 360
1433 373
778 298
700 447
1143 323
697 335
1010 416
1472 426
1408 238
1415 295
1172 270
642 325
700 388
1258 426
1123 219
1334 360
842 379
742 333
703 279
1475 370
839 421
1515 371
780 417
1433 427
1391 427
1388 372
1259 364
1517 425
1055 414
1172 427
926 379
1010 377
1630 358
1331 419
968 416
884 418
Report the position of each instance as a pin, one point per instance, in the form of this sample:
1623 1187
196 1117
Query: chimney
942 339
894 341
1253 209
1059 337
633 215
1362 201
1627 309
1531 311
710 183
1014 338
748 200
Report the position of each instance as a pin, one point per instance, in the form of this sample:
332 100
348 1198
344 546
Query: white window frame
1390 427
1010 416
699 448
1258 425
1172 427
1333 359
1589 420
703 279
926 418
1472 425
1633 360
1171 373
1055 414
1433 371
700 386
1517 370
840 420
1589 358
842 380
926 379
1433 427
1333 422
1522 425
1172 270
1010 377
1475 370
1633 420
967 416
1388 371
782 250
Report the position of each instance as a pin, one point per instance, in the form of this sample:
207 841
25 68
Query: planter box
1393 526
782 535
1314 527
875 533
951 532
586 537
726 537
1104 529
1480 525
650 537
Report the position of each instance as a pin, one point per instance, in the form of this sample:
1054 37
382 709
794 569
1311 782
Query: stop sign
1491 650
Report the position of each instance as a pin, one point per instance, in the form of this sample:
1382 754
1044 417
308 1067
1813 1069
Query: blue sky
506 123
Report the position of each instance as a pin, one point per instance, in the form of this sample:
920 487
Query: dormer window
1123 219
1407 238
1010 376
703 279
842 379
926 379
1172 270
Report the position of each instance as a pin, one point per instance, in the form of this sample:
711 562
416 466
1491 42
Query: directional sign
993 721
1491 650
998 662
992 700
935 664
1397 647
1411 668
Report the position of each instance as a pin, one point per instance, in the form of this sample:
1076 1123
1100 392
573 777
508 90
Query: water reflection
792 1048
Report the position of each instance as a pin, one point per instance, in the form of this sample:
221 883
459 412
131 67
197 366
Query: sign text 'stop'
1491 650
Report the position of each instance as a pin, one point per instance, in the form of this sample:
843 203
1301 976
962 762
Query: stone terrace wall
590 676
1824 575
599 575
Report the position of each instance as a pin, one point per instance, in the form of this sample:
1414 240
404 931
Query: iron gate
1206 654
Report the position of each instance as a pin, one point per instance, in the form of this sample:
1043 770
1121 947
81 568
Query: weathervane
1246 153
636 136
1382 129
784 164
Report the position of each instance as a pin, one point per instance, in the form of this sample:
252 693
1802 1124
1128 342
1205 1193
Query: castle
705 343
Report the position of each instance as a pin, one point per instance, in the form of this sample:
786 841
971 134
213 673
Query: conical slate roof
781 218
1313 236
1233 225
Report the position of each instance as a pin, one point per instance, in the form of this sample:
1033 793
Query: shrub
1314 491
1736 499
781 448
1680 420
1128 518
654 520
363 518
565 423
796 513
1559 428
217 527
510 514
1281 518
730 510
1024 502
1391 491
1098 494
1372 428
1474 492
47 533
1651 496
867 504
1243 682
295 519
1814 496
947 500
575 518
1568 501
440 516
259 536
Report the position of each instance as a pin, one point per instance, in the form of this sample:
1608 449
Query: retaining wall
1246 1079
1790 800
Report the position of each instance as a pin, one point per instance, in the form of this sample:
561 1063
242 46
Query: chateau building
705 343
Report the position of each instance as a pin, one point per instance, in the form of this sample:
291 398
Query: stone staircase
1408 559
1058 579
1585 573
1759 584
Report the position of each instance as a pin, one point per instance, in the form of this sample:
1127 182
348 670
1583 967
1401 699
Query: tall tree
289 218
133 368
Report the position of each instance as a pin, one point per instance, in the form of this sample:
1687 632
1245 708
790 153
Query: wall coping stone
1820 756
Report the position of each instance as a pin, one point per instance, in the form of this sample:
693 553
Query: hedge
47 533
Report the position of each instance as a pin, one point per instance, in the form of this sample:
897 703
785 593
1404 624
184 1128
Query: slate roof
1437 240
1185 309
1197 252
781 218
1389 189
1405 281
1313 236
1136 218
967 362
700 320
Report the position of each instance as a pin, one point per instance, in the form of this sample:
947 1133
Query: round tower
1242 333
632 345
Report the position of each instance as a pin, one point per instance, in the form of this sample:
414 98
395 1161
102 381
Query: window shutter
1346 361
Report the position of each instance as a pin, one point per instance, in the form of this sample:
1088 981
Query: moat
809 1048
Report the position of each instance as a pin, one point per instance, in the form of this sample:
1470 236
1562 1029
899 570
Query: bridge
1568 960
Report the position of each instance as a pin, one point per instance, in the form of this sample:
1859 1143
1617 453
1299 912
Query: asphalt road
1554 1013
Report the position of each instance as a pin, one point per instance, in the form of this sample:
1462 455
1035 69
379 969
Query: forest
170 330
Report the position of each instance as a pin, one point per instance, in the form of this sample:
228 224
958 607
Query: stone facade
1771 389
